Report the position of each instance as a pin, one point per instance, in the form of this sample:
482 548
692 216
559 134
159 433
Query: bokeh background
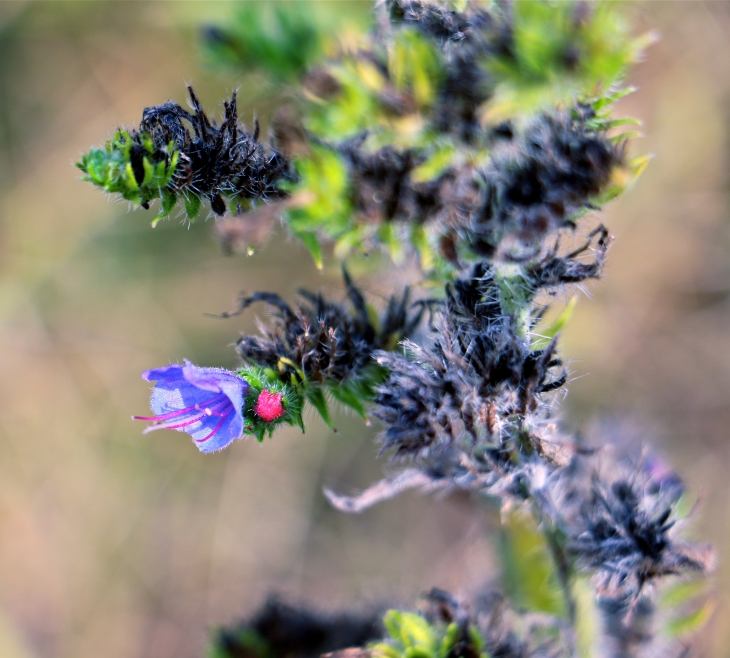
120 545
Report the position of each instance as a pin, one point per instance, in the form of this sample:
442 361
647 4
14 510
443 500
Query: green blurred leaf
545 335
588 618
438 162
686 607
282 40
230 644
561 50
415 66
315 396
691 622
311 242
527 568
352 395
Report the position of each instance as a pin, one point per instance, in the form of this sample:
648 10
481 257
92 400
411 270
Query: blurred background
120 545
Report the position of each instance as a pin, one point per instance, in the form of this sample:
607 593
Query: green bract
411 636
132 167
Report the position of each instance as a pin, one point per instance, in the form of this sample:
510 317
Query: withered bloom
323 339
538 183
465 38
215 161
466 388
625 531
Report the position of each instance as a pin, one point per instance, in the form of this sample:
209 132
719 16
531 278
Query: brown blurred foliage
117 545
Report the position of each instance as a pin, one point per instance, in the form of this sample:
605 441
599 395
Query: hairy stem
515 295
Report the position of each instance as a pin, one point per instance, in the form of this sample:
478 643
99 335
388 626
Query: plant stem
515 295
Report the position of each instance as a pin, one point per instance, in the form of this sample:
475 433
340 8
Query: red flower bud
268 406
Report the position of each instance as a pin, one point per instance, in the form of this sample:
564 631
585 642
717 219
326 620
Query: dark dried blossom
215 161
534 185
325 340
503 632
479 376
624 531
465 38
554 269
382 189
278 630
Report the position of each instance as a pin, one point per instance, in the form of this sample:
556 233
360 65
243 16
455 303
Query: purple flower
207 403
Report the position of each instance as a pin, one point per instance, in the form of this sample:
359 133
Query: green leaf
419 240
384 650
411 630
388 235
319 201
351 394
588 618
693 621
438 162
527 567
682 593
415 65
315 396
311 242
449 639
245 641
283 41
536 73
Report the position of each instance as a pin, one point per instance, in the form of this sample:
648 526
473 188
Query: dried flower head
319 340
534 185
478 375
625 531
215 161
178 154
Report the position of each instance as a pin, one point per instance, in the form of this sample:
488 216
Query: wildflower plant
477 140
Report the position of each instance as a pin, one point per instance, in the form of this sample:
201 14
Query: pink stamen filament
208 411
213 401
213 433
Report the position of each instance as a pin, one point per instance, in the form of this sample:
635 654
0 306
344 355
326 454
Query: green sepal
265 379
192 206
168 203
